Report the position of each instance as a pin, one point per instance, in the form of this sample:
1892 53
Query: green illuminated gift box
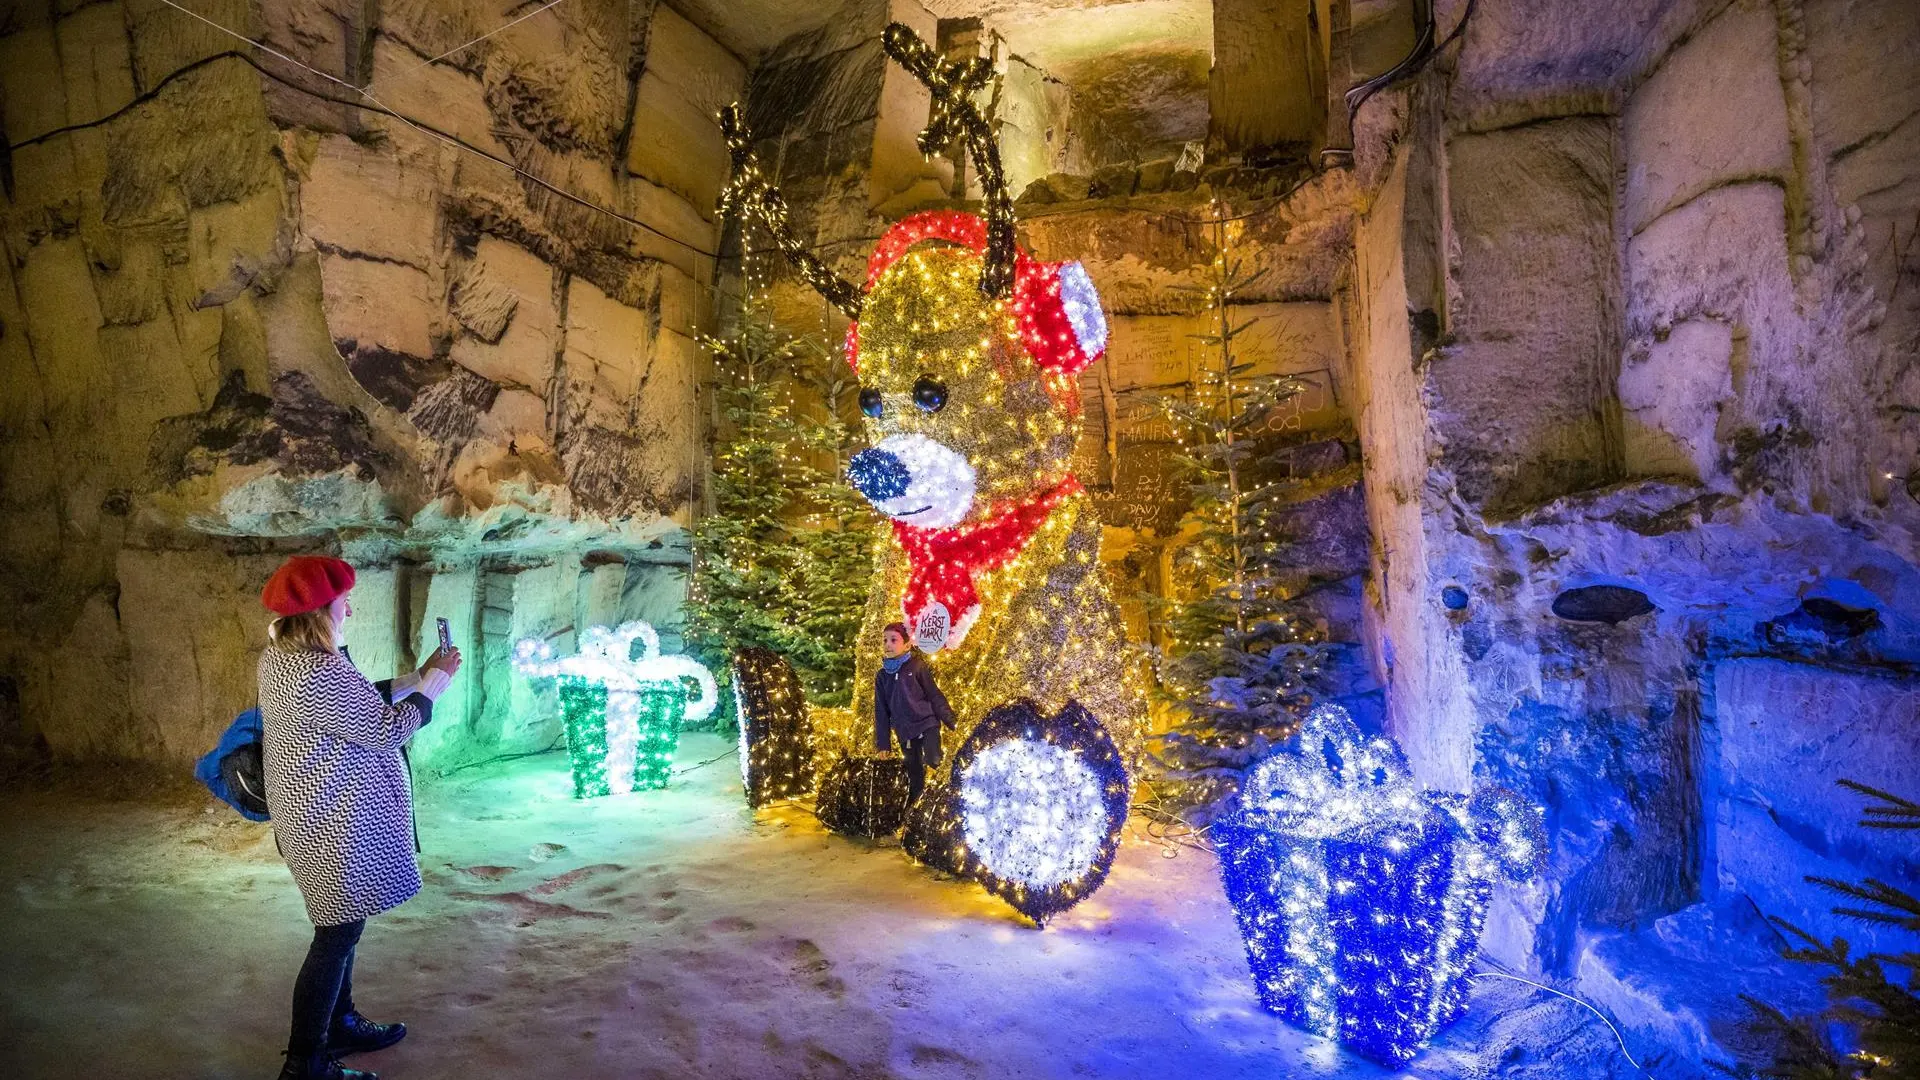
622 713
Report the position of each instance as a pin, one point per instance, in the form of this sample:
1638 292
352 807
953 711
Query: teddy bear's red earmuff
1054 304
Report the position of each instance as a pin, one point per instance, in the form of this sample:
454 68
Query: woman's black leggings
324 990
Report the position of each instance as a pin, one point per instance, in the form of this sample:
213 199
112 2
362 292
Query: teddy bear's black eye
871 404
930 394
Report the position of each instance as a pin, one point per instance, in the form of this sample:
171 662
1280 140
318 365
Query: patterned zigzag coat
337 787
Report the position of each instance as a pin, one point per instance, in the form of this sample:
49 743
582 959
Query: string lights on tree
1361 896
783 552
622 713
776 731
832 535
1240 661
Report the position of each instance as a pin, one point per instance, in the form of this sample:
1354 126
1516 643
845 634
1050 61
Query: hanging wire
1269 204
434 134
483 37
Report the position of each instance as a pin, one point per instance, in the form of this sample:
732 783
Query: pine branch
1892 907
1893 813
1882 1017
1801 1049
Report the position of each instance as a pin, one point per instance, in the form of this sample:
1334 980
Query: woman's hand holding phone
445 658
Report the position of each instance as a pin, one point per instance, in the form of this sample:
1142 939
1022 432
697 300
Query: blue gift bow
1335 781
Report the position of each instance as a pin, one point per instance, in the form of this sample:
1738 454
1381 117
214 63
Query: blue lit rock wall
1626 312
1787 732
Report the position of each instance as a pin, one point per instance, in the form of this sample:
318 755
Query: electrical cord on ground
1621 1039
731 751
562 742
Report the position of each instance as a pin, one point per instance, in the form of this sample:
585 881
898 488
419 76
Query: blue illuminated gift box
1361 896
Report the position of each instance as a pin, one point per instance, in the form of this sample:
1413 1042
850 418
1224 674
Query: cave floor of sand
668 934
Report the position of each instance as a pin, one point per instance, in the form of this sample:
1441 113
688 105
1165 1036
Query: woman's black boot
355 1034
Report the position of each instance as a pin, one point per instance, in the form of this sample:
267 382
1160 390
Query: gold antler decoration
954 83
748 192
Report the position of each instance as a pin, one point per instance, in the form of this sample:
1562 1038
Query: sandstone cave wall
250 309
1632 307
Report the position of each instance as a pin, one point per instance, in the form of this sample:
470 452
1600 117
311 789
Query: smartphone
446 634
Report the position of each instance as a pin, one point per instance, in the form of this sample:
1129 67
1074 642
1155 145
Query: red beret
306 583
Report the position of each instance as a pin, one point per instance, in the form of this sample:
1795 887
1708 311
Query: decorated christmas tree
831 535
742 555
1239 658
782 555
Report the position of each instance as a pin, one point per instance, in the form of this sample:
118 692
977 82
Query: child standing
907 704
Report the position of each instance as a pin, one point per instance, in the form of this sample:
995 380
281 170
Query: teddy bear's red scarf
943 562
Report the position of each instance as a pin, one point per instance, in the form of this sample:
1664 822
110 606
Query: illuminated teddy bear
969 351
973 413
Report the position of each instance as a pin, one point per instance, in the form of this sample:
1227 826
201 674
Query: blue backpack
233 771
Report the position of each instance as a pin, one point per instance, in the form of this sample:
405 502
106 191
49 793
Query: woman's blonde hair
309 631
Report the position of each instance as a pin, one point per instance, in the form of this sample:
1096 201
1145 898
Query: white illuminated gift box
622 712
1360 895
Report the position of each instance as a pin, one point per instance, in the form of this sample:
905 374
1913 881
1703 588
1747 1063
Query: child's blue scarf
893 664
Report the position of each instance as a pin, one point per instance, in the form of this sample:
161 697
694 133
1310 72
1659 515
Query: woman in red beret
340 798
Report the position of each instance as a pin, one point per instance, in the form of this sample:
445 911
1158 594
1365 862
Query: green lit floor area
665 934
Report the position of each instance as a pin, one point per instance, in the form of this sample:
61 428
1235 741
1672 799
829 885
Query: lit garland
776 733
1032 808
864 795
1361 896
747 191
622 714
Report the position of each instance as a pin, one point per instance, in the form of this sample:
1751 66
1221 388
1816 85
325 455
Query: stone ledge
1675 987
